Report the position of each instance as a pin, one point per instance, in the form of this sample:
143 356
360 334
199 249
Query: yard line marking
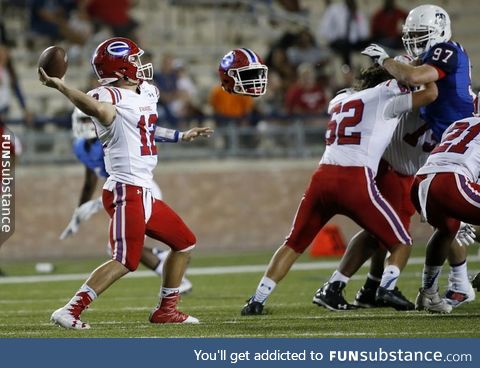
196 271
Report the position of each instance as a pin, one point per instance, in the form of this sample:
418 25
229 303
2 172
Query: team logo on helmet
118 48
227 60
440 19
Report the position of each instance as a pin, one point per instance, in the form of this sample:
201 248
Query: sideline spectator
305 50
306 96
345 28
115 14
9 81
277 62
230 108
386 25
184 106
166 80
50 18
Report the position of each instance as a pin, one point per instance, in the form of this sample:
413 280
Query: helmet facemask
144 71
250 80
417 42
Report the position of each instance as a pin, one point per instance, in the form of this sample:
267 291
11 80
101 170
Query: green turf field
216 300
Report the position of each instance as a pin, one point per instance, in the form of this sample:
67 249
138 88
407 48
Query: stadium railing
282 137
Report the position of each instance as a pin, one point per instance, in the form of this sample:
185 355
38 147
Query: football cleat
456 298
65 318
393 298
431 302
330 296
166 312
365 298
252 308
476 281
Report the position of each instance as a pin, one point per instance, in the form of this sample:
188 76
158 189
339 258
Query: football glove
376 53
82 213
465 235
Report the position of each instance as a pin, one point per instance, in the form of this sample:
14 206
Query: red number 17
148 147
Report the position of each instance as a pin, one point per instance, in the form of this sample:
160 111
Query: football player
362 123
427 37
89 151
408 150
445 193
124 111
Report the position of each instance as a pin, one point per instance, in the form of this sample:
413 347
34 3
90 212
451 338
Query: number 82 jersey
362 124
128 143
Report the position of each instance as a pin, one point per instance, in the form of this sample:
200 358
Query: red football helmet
118 58
243 72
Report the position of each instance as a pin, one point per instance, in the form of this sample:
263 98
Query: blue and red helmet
243 72
119 58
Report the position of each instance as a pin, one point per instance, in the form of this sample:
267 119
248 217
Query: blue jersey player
427 37
89 151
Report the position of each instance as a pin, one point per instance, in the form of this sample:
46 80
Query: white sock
390 277
264 289
167 291
458 278
159 269
87 289
338 276
430 277
83 289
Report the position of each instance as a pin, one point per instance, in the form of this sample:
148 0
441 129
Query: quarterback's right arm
103 112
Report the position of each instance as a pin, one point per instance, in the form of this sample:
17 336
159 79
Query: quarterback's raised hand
465 235
48 81
196 132
377 53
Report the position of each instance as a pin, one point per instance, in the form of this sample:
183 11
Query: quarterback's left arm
174 136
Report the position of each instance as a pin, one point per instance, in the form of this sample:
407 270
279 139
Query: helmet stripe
250 55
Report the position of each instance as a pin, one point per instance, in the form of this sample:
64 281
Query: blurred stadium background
239 189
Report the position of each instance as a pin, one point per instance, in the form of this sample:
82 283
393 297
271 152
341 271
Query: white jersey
128 143
458 152
362 124
411 144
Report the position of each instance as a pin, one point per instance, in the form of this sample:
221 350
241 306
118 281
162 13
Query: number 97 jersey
128 143
362 124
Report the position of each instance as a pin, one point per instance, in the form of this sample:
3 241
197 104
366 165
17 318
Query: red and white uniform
130 157
361 127
130 151
407 152
363 124
445 190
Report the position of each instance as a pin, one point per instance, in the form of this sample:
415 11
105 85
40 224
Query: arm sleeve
398 105
443 57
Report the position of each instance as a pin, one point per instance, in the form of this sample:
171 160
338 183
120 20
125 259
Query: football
54 61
